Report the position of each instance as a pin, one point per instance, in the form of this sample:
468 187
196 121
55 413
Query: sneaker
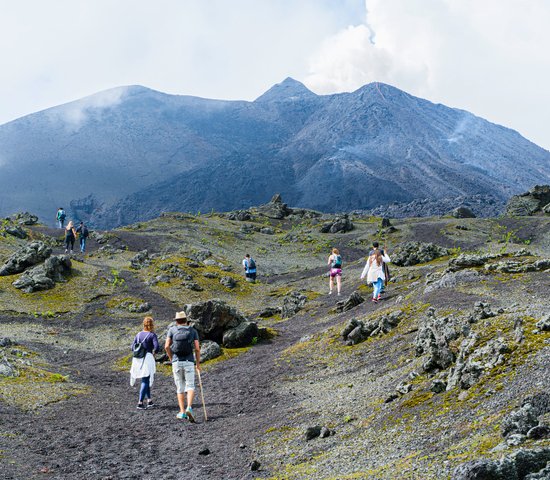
140 406
378 298
182 416
374 300
189 412
338 293
150 404
330 292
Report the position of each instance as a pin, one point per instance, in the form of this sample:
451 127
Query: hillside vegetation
428 379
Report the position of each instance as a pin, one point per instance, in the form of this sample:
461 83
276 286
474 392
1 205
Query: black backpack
251 264
84 232
139 350
182 344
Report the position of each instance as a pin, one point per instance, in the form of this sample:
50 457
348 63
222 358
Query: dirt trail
103 435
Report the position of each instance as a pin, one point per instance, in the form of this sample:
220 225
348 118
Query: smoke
75 114
486 57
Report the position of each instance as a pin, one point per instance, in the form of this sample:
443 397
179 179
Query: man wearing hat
181 341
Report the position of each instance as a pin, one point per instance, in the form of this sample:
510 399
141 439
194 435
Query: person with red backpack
181 341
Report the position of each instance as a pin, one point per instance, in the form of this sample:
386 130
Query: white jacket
374 272
143 367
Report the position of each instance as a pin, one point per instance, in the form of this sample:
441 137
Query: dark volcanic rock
341 224
529 203
240 336
25 218
351 302
292 304
25 257
275 208
463 212
213 317
412 253
209 350
16 231
43 277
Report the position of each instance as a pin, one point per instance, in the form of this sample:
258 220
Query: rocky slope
130 153
446 377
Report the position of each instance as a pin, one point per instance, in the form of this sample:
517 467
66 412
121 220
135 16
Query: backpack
139 350
84 232
337 261
61 215
251 264
182 345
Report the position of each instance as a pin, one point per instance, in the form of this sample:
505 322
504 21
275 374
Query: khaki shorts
184 376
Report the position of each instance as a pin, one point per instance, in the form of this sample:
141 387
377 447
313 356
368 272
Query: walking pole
202 396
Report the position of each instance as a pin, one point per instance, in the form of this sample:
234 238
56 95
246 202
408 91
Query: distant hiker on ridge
70 237
374 271
249 268
60 217
335 262
181 340
145 344
83 234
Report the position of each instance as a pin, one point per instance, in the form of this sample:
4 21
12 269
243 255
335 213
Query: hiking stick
202 396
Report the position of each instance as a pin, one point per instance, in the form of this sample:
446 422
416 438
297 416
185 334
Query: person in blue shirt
249 268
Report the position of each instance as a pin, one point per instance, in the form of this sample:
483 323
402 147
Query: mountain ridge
346 151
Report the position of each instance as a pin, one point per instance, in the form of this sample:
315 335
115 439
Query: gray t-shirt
194 336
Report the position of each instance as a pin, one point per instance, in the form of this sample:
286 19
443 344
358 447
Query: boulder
412 253
312 432
525 418
25 218
340 224
292 304
16 231
6 369
240 215
240 336
275 208
462 212
212 318
140 260
433 340
452 280
27 256
529 203
269 312
228 282
43 277
351 302
209 350
357 331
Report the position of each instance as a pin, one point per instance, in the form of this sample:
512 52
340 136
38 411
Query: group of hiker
71 233
376 271
183 350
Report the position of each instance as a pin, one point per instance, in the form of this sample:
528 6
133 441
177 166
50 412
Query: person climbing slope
145 344
70 237
374 271
335 262
60 217
249 268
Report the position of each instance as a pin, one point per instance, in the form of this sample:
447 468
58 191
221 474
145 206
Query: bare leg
330 284
338 283
190 397
181 402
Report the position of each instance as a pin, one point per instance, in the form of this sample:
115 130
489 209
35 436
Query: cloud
75 114
486 57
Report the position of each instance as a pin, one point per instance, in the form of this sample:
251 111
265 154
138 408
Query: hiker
70 236
249 268
83 233
144 366
375 246
374 271
60 217
181 340
335 262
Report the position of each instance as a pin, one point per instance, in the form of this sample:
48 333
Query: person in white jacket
374 271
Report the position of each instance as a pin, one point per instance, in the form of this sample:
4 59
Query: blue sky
488 57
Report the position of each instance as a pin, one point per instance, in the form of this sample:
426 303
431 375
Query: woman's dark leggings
145 390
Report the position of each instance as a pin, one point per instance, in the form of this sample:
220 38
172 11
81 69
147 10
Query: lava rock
228 282
209 350
292 304
312 432
462 212
25 257
412 253
240 336
212 318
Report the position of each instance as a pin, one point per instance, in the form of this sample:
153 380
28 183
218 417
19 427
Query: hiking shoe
189 412
182 416
141 406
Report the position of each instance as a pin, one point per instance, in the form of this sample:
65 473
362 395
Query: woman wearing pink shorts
335 262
